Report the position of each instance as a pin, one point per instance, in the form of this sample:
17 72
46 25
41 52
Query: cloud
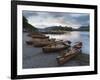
29 13
84 20
75 15
40 18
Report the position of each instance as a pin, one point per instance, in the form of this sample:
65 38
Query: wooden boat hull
75 50
40 44
62 60
50 49
41 37
33 33
37 40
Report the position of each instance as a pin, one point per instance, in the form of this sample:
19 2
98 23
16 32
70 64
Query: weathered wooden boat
35 40
34 33
40 36
38 40
72 52
57 46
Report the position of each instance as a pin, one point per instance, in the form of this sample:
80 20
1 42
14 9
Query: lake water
33 57
74 36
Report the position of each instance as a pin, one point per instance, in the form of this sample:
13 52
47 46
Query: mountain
57 28
84 28
27 26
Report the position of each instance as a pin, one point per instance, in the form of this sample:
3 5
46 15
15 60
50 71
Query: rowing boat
34 33
57 46
72 52
40 36
36 40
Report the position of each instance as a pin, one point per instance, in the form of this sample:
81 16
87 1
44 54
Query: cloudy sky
46 19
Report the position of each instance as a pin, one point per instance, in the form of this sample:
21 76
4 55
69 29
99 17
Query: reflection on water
74 36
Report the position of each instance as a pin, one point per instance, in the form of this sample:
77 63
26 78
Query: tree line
27 26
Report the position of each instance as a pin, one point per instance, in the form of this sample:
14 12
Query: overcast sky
46 19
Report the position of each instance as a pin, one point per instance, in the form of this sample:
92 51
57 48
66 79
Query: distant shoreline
58 32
